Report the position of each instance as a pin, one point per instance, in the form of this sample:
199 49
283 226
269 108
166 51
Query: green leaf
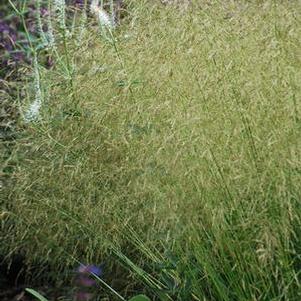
36 294
140 298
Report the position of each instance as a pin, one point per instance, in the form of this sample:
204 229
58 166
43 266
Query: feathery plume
60 8
33 111
102 16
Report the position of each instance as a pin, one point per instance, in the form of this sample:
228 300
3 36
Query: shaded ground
12 281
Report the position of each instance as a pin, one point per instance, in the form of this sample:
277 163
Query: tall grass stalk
60 12
45 42
33 112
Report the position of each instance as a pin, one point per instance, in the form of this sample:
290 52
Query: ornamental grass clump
175 150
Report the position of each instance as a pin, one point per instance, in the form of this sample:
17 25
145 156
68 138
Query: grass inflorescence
174 147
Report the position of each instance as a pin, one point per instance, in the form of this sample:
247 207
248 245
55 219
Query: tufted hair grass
180 136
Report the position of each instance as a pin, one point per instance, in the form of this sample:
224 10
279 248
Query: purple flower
4 27
44 11
79 3
18 56
83 296
85 281
49 61
89 269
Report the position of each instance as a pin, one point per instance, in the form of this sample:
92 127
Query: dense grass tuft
176 147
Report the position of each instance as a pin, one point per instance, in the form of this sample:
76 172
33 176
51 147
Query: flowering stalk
113 17
41 11
33 111
50 31
82 27
60 8
101 15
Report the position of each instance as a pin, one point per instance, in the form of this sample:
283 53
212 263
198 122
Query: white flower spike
102 16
